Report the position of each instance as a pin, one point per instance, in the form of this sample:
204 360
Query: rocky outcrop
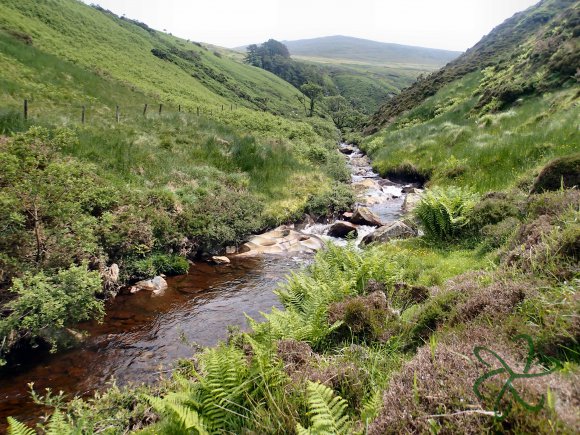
342 229
156 285
394 230
363 216
110 277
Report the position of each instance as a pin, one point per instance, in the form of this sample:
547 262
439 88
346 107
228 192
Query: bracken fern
327 412
444 212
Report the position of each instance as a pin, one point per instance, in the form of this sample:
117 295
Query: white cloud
449 24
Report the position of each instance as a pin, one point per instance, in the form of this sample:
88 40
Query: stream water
142 334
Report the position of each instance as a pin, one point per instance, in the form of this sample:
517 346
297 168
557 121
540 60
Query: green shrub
158 264
331 202
444 212
46 304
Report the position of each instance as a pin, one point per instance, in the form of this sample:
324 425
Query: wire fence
83 112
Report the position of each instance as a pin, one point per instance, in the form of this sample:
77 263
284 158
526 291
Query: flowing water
143 334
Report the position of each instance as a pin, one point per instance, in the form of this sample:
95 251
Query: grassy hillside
146 192
183 72
343 48
533 51
407 336
495 128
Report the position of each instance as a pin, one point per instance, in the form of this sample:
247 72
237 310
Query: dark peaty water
142 335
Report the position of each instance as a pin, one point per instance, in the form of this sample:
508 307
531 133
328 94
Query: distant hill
367 72
366 51
347 49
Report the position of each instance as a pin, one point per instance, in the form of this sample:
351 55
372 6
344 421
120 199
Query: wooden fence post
117 113
83 115
197 110
25 110
145 109
160 108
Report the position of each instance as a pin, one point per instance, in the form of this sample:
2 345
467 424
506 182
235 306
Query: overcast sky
448 24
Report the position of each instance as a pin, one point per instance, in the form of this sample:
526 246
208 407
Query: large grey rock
393 230
157 285
363 216
342 229
411 201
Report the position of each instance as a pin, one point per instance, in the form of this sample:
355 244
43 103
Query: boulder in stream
393 230
157 285
281 240
363 216
219 260
342 229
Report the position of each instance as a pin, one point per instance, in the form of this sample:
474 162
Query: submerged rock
393 230
342 229
363 216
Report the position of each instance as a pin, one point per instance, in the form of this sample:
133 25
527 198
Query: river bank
143 335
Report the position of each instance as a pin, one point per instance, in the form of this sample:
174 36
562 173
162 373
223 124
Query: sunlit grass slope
445 140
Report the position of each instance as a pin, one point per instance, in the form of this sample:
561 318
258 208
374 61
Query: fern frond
327 412
17 428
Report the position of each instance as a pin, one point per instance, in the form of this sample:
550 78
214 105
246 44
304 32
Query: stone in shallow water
363 216
281 240
393 230
156 285
220 260
411 201
342 229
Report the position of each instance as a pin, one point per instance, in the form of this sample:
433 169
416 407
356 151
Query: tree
313 92
253 56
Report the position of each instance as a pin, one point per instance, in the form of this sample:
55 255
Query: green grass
445 138
60 72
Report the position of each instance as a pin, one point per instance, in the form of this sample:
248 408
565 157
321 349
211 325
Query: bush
157 264
46 304
494 208
363 317
445 212
331 202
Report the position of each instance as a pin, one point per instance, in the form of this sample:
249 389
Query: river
143 334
